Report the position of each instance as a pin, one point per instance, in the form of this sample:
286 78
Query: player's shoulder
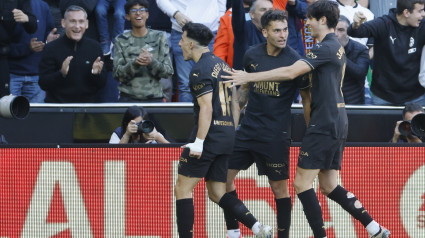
289 51
256 49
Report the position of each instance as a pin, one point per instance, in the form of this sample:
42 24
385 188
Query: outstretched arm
238 77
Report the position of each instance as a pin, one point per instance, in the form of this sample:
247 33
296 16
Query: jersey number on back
225 96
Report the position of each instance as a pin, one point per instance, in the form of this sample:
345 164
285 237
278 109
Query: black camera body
415 127
145 127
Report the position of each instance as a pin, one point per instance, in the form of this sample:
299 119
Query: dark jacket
355 72
8 23
295 14
23 61
396 58
245 32
79 85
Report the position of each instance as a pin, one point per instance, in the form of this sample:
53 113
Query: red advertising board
128 192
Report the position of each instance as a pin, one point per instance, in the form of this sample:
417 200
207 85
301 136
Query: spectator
348 8
128 132
89 6
223 44
422 69
381 7
357 64
11 13
71 66
56 14
102 8
297 10
409 111
247 33
207 12
141 57
25 54
159 21
397 57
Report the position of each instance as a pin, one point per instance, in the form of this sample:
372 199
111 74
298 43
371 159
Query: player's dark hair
324 8
273 15
407 4
412 107
199 32
131 3
130 114
344 19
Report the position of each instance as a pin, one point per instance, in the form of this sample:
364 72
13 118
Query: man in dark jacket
12 12
357 64
71 66
399 38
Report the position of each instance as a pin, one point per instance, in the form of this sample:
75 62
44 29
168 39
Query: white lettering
52 173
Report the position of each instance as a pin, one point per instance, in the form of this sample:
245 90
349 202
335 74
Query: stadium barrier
114 191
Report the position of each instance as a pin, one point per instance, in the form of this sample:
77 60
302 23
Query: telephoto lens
145 127
418 125
405 129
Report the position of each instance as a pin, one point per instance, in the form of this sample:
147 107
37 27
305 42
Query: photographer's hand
397 134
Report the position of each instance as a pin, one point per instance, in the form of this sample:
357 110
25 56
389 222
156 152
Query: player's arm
238 77
306 101
204 122
205 115
239 100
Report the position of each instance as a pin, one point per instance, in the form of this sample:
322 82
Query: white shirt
349 11
207 12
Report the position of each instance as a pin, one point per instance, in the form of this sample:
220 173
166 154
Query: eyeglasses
141 10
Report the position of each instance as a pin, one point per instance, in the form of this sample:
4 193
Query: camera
415 127
145 126
17 107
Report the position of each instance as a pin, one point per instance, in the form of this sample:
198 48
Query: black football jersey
204 78
327 61
268 113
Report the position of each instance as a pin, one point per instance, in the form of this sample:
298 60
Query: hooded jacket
396 59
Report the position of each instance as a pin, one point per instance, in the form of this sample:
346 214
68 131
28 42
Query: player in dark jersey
323 144
263 137
213 136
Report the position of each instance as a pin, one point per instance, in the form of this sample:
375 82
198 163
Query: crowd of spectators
67 51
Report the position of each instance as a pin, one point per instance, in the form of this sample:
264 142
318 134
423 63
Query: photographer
409 111
129 131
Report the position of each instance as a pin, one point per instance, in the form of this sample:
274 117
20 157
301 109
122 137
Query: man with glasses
141 57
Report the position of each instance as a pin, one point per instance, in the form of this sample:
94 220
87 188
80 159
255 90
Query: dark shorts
211 166
320 151
272 159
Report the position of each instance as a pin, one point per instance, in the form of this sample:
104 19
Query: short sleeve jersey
204 78
328 115
268 113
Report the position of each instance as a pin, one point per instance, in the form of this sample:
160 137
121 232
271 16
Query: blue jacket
22 61
245 32
296 13
355 72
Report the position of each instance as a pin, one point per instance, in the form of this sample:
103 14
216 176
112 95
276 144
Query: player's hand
97 66
181 19
236 77
35 45
195 148
358 19
20 16
65 66
52 36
